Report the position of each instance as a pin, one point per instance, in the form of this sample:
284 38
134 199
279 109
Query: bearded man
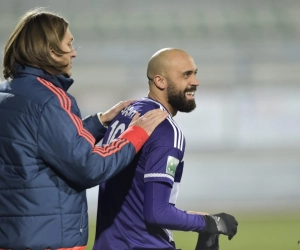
136 208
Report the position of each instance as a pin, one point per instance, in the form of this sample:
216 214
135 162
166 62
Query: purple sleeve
159 212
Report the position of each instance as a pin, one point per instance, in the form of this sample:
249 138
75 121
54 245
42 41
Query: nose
195 81
73 54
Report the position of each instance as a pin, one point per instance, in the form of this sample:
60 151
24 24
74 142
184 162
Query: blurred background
243 139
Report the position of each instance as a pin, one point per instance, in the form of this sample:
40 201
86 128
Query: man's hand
221 224
110 114
150 120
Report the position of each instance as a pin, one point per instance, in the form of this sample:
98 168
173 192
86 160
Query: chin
68 75
68 71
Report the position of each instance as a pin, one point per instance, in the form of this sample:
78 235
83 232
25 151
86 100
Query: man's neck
169 108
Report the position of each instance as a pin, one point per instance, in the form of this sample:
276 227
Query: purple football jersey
120 217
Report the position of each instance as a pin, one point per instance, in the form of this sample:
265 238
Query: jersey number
116 127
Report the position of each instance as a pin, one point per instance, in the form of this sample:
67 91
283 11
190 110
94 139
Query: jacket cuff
98 115
98 124
136 135
94 126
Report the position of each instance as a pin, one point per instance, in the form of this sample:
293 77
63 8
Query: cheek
66 57
67 49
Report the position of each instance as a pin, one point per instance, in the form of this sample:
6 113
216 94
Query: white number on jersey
115 128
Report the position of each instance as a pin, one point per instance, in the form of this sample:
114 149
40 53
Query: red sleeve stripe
65 102
76 119
110 149
69 248
107 147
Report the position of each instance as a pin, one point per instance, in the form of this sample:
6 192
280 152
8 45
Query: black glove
221 224
207 241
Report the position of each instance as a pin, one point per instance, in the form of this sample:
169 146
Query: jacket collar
61 81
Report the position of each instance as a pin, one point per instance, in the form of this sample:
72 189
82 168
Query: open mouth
190 94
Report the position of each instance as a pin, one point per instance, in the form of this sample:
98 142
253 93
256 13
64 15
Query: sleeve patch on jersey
172 165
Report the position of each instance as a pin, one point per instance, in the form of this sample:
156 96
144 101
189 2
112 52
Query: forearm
72 152
94 126
159 212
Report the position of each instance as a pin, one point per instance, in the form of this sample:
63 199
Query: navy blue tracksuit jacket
48 159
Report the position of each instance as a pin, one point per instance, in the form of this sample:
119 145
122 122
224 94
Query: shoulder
27 90
140 106
168 134
145 104
33 87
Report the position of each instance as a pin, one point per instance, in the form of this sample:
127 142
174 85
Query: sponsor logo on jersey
129 111
172 164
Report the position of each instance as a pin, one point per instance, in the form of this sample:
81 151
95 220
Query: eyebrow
190 71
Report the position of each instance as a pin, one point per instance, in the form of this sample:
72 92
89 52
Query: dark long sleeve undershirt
159 212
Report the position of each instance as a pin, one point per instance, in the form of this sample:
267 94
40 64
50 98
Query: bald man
136 208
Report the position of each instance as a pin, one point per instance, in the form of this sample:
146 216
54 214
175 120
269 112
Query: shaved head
172 79
162 60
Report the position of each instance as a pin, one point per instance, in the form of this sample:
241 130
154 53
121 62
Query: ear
160 82
52 53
